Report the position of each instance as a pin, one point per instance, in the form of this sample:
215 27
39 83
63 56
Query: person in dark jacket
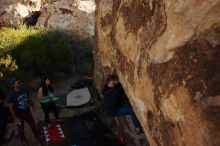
113 101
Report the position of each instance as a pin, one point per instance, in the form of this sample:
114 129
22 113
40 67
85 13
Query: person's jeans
128 111
28 117
47 108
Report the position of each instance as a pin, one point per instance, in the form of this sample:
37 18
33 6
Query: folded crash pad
78 97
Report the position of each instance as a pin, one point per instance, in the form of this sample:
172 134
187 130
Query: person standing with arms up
18 102
45 94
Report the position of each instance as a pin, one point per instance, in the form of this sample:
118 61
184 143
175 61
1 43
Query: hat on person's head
13 80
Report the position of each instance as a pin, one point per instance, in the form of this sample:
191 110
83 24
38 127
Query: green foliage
10 37
41 52
82 50
44 55
7 64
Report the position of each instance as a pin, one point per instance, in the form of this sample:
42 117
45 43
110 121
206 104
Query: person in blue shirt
46 94
113 101
19 104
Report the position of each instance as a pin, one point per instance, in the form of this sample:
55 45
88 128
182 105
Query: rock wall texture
74 16
14 11
167 57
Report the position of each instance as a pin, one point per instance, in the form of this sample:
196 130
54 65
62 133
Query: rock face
167 57
14 11
75 16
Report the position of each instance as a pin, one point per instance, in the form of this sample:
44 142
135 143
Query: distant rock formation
14 11
76 17
167 57
73 16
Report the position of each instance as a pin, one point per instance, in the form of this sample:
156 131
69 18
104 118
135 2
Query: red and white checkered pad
53 134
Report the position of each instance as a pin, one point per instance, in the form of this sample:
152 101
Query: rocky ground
62 87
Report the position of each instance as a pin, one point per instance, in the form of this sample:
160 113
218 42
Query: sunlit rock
73 16
13 12
166 54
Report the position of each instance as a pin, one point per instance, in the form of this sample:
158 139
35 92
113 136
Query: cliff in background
76 17
167 57
73 16
13 12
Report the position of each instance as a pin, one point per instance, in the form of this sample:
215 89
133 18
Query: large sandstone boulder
167 57
13 12
73 16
